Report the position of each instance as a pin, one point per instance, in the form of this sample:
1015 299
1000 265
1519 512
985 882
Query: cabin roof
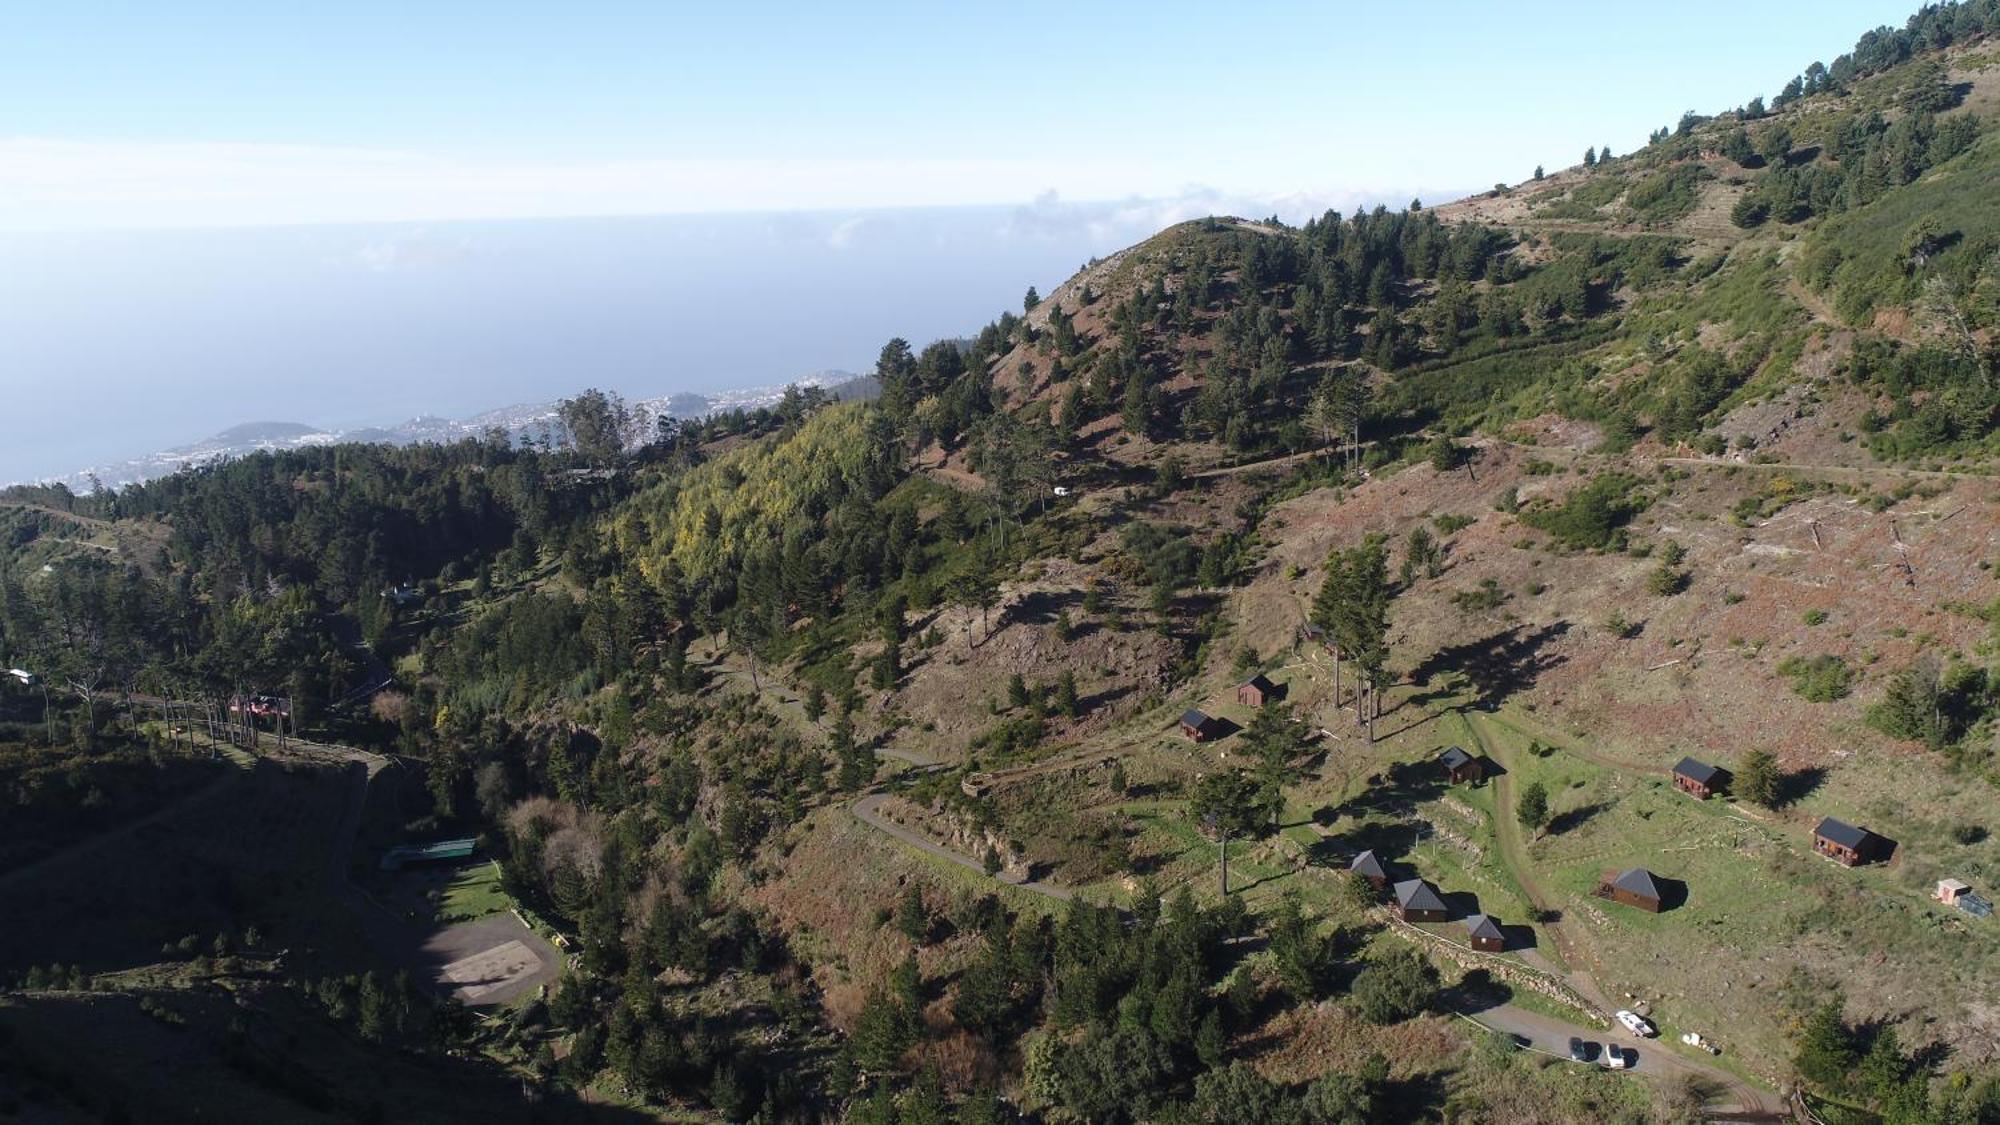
1638 881
1699 772
1843 833
1418 894
1484 926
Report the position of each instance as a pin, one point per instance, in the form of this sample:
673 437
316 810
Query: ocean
114 345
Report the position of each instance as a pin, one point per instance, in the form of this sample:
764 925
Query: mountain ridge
522 421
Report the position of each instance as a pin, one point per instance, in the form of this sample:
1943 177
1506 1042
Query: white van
1636 1023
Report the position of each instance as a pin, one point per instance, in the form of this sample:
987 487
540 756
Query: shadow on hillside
1387 841
1797 785
1421 718
1475 992
1419 1097
1569 820
1499 665
1090 703
1463 904
1673 893
1399 790
1042 607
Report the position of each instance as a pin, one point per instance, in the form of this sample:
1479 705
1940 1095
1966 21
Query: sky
172 114
353 213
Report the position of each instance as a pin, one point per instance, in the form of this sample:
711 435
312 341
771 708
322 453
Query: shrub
1819 679
1485 597
1395 987
1666 580
1591 516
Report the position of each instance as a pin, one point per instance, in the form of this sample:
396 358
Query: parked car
1580 1050
1636 1023
1620 1058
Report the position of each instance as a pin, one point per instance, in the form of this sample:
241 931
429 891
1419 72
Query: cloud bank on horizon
66 185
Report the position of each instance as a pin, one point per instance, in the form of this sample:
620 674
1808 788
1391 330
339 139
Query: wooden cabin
1846 844
1635 887
1257 691
1485 934
1199 725
1461 767
1418 901
1369 866
1699 779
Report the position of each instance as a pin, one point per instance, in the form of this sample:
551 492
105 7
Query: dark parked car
1582 1051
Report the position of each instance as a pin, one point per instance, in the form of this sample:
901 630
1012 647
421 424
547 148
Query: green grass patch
474 892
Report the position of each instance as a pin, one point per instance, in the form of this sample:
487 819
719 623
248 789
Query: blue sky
440 207
193 114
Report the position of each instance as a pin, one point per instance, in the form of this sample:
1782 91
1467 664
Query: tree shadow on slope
1398 790
1498 665
1569 820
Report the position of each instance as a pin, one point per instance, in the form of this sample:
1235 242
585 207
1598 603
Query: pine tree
1532 809
1353 608
1757 779
1066 702
1210 1044
1826 1048
911 917
1138 403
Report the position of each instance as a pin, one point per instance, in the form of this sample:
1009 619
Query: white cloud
842 235
1120 222
61 184
416 248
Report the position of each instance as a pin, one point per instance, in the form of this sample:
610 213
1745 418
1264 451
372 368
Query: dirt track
868 811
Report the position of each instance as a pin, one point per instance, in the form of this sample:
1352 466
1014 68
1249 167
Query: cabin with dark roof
1485 934
1257 691
1369 866
1699 779
1418 901
1460 767
1846 844
1199 725
1635 887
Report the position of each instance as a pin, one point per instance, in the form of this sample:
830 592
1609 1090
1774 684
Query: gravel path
1551 1036
868 810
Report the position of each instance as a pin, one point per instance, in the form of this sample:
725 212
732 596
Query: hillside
907 760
